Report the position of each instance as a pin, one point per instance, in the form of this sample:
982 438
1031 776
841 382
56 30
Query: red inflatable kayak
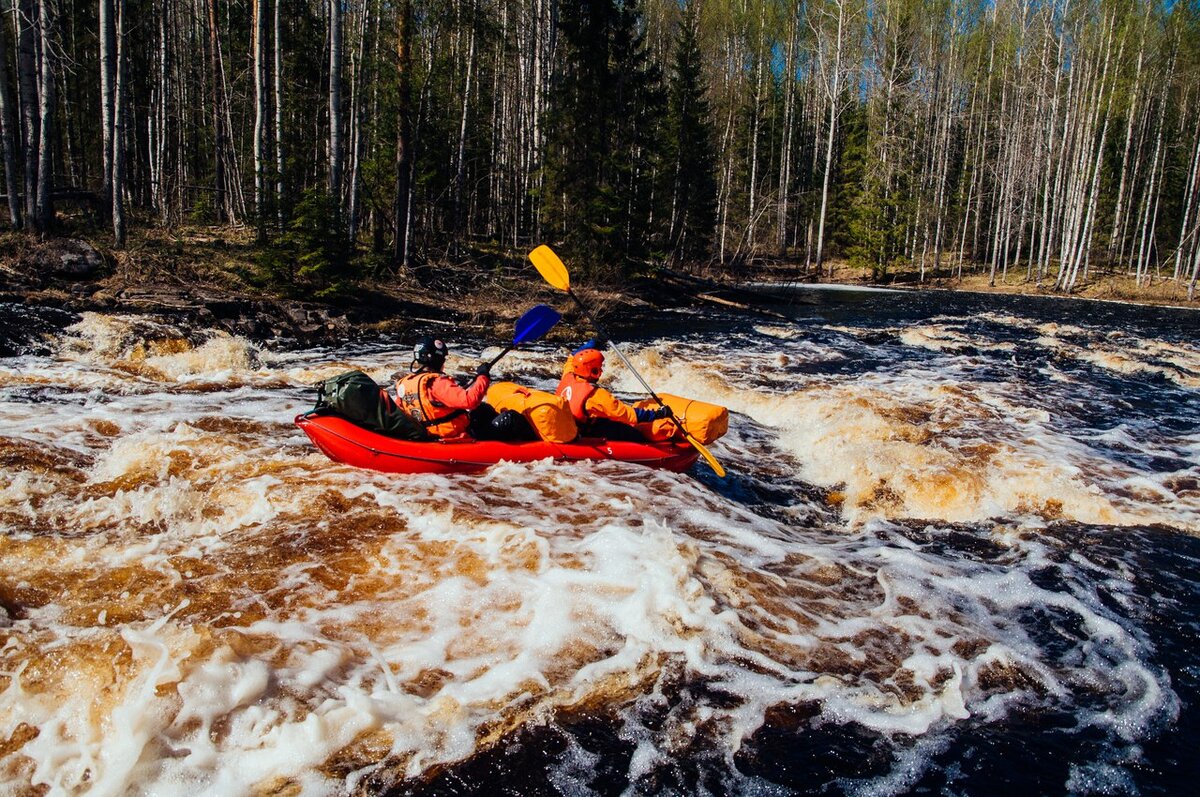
350 444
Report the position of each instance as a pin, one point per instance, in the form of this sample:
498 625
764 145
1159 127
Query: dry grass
1106 287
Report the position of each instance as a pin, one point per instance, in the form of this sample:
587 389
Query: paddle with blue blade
551 267
536 322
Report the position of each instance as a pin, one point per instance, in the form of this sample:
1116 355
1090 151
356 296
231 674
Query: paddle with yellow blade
554 272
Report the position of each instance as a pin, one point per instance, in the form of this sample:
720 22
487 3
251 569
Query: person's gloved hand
484 369
646 416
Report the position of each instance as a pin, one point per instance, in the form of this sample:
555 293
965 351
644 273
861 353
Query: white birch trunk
118 139
1189 208
106 90
358 65
1119 210
789 110
260 118
460 164
335 102
834 102
279 209
44 212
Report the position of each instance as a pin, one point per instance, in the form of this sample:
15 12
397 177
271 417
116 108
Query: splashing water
952 537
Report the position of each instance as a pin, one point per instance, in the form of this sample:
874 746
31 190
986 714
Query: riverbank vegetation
1055 145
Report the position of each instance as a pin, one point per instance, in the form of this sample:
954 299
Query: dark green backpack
356 397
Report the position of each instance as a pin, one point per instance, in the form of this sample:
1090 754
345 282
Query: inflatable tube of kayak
349 444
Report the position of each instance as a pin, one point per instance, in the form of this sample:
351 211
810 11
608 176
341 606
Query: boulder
76 260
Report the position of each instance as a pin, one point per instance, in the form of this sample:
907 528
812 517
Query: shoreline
203 280
884 288
1106 287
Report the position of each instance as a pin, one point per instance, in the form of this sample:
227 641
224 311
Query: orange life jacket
414 397
576 391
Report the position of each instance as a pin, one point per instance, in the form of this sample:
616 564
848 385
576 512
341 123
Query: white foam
909 445
323 620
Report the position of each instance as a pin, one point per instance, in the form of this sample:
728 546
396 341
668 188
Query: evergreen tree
692 156
846 181
606 112
637 157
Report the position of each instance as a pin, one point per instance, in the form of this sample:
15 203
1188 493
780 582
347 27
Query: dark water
957 553
1047 747
1040 750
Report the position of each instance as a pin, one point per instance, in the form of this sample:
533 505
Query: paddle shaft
496 359
551 267
708 457
616 350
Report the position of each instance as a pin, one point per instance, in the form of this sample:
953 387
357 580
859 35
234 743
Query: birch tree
118 134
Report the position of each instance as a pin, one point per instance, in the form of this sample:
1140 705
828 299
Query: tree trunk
789 115
118 139
260 119
8 137
834 103
1145 247
158 120
755 124
400 249
335 102
279 209
1189 205
358 85
27 84
1119 211
1195 273
1086 236
214 76
44 210
107 50
460 161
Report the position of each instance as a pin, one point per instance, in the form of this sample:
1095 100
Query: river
957 552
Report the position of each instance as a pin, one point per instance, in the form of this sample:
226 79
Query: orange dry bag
547 413
705 422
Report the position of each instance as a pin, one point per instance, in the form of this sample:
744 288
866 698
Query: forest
1040 140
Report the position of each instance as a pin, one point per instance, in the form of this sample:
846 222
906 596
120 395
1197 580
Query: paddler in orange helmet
437 401
598 412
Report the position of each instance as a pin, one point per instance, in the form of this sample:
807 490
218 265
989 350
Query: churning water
957 552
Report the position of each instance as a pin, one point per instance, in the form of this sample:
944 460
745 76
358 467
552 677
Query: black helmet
430 353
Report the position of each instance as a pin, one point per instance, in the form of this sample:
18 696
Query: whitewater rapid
195 601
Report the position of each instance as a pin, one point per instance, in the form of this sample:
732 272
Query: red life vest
415 398
576 391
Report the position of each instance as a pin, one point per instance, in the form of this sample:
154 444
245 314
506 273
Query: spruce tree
693 212
606 111
639 142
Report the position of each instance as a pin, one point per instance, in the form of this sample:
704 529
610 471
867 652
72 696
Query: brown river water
957 550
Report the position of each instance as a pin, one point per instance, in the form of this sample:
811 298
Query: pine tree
692 158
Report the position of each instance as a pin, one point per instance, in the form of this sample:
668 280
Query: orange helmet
587 363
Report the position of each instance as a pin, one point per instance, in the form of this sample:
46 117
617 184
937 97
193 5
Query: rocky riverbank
203 279
197 282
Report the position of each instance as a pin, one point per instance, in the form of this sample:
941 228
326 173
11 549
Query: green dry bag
356 397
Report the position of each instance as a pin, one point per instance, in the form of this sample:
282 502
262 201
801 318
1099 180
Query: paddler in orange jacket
598 412
435 400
